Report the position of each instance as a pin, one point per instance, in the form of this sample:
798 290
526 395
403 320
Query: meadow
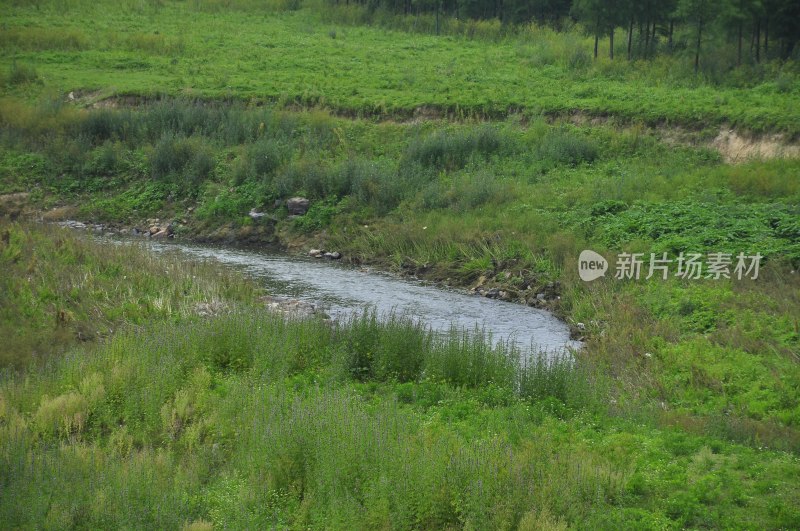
307 58
144 391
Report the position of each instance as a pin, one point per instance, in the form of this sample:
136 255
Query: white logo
591 265
630 266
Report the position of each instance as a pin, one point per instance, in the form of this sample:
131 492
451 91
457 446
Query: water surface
339 290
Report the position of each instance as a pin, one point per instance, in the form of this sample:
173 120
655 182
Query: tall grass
247 418
58 290
207 415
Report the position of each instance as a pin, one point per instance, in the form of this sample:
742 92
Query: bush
19 74
175 159
465 192
108 160
311 177
109 124
446 150
374 184
562 146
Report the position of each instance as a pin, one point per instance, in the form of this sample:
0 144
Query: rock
333 256
160 234
297 206
508 295
493 293
73 225
291 307
154 229
541 296
316 253
210 309
256 215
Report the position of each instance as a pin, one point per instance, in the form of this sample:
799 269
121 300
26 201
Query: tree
603 16
701 13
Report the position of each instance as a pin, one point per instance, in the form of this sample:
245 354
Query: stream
340 290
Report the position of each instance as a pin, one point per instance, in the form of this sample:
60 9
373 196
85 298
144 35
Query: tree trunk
697 50
653 38
639 40
611 44
671 28
647 38
766 39
437 17
758 41
596 36
739 57
630 38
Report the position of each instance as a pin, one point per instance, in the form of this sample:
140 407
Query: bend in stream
340 290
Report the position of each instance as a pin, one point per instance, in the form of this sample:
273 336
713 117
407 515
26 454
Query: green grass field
130 399
248 420
290 57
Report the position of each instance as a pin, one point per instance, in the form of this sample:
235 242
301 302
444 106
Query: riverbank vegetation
163 394
246 419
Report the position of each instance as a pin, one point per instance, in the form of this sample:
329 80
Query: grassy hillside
216 50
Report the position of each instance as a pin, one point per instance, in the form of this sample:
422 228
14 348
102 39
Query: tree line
759 29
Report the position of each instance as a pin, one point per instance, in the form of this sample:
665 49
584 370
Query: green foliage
223 204
770 229
20 74
562 146
445 150
530 68
319 216
466 192
231 419
245 418
186 161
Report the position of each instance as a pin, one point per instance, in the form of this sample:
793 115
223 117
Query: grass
77 291
246 419
290 58
681 411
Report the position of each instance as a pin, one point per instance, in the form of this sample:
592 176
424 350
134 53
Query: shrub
465 192
311 177
373 183
562 146
19 74
174 158
319 215
448 150
63 415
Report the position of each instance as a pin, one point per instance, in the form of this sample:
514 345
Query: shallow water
339 290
